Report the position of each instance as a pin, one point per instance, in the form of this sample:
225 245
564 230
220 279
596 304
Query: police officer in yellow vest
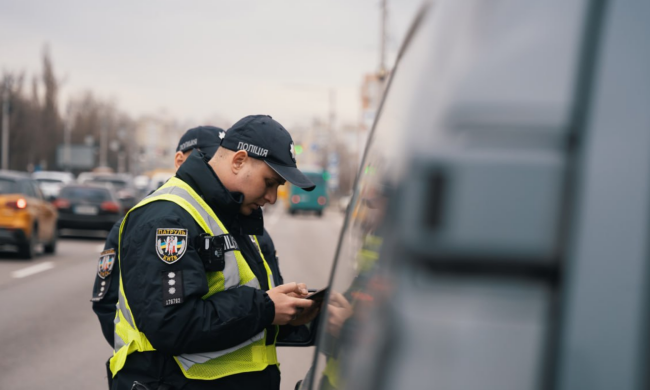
197 306
105 289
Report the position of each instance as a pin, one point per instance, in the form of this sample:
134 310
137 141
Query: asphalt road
50 338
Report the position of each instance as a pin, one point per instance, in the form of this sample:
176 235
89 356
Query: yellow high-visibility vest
251 355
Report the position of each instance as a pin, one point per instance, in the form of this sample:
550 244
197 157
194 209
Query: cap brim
292 175
210 151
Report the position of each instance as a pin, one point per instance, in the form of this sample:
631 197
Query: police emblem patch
106 262
171 244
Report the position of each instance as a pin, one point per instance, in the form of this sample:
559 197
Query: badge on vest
171 244
172 285
106 262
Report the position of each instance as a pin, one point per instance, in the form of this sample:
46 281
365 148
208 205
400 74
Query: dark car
502 241
27 219
88 207
122 183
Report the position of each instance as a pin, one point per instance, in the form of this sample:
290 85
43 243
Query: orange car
26 218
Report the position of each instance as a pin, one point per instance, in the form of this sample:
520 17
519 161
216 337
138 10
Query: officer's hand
288 307
302 291
339 310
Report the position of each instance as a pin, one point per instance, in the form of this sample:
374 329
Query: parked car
27 219
316 200
89 206
51 182
498 232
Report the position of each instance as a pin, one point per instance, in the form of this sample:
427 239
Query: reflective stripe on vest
251 355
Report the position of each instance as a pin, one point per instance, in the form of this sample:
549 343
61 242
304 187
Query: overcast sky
203 59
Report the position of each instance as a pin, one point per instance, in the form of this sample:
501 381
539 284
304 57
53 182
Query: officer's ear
238 161
179 158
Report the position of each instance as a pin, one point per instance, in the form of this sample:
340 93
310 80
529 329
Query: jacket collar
196 172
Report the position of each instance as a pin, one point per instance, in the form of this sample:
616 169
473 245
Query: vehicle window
91 194
27 189
9 186
118 184
53 181
316 178
356 263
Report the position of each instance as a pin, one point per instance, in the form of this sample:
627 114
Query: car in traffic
51 182
121 182
299 200
497 236
90 206
27 219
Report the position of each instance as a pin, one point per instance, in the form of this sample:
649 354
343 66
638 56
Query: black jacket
196 325
105 289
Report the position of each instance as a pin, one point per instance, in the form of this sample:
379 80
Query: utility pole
67 130
382 39
103 143
5 121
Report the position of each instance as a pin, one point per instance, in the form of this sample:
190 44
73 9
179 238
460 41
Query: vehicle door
44 212
448 272
358 283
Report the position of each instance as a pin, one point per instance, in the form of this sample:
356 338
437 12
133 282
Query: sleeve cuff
269 309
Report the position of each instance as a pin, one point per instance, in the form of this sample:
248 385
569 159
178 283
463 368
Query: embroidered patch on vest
172 285
106 262
171 244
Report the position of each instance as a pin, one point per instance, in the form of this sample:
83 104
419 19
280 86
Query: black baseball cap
204 138
265 139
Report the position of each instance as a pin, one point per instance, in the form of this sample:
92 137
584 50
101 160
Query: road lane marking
21 273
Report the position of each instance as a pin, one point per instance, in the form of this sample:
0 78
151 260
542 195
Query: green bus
315 200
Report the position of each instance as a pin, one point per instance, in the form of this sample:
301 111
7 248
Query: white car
51 182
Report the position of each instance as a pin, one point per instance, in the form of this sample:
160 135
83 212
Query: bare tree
51 130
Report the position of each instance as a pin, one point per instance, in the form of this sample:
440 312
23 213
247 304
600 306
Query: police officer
197 305
204 138
105 289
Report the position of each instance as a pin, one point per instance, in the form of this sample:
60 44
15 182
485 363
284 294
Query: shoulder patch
171 244
106 262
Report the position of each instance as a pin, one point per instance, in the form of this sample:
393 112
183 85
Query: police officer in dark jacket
207 140
197 305
105 289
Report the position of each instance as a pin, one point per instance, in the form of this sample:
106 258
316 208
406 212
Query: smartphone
319 295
